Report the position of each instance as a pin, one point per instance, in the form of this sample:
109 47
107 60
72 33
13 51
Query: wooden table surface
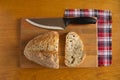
10 13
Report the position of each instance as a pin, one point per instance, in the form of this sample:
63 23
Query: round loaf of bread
43 49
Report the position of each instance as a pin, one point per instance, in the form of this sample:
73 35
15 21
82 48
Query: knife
59 23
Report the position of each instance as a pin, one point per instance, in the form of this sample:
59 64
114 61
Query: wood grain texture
10 13
88 34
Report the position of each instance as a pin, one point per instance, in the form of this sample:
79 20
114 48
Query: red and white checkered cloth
104 26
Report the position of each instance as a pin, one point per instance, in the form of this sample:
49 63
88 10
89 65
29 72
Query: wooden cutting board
87 33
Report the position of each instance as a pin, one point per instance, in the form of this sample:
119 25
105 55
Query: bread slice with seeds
73 50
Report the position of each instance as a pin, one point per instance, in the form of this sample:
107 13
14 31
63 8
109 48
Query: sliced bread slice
73 50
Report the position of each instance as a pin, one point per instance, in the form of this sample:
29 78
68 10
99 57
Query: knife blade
59 23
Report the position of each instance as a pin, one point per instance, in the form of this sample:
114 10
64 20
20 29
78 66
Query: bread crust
43 49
